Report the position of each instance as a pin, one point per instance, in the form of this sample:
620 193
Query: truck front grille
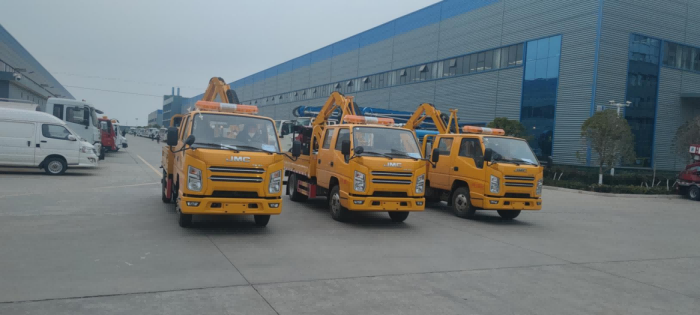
234 194
236 179
394 174
394 194
391 181
519 184
223 169
508 177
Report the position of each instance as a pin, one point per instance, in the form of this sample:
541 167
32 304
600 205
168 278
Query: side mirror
296 148
359 150
72 138
189 141
171 137
281 136
435 157
345 147
488 155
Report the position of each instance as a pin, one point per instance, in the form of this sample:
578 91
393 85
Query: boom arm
218 87
426 110
336 101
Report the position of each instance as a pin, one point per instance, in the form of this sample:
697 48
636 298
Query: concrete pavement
102 242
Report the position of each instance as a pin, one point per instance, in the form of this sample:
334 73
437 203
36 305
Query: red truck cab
689 179
108 135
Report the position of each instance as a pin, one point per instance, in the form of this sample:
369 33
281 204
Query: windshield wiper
218 145
404 154
516 161
377 154
249 148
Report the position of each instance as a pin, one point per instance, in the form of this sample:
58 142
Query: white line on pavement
149 165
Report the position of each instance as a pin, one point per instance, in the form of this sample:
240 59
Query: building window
642 82
539 96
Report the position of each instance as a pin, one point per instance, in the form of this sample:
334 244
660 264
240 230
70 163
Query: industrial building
155 117
172 105
22 77
549 63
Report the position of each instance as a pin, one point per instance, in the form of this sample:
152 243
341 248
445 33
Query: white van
80 117
36 139
120 140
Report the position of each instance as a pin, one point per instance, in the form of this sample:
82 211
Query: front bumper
87 162
497 203
231 206
382 204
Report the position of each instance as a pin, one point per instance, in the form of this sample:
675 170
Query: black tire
461 203
55 166
398 216
338 212
294 195
185 220
102 153
232 96
261 220
164 187
694 193
509 214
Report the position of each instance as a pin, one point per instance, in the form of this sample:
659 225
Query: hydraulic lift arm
426 110
336 101
218 87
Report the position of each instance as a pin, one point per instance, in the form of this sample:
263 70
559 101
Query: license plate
236 207
391 205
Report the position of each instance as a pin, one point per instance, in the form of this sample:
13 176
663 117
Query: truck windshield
236 131
386 141
510 150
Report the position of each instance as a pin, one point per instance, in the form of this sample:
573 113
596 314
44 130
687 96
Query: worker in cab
250 135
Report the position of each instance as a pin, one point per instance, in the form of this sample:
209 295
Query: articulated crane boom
335 101
218 87
426 110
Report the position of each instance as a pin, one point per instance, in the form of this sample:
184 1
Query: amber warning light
353 119
226 107
483 130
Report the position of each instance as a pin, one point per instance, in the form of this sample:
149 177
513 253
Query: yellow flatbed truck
479 168
360 164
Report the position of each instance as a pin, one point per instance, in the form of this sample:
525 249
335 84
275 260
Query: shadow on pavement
483 216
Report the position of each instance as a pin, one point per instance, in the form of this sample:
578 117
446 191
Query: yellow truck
478 169
223 159
360 164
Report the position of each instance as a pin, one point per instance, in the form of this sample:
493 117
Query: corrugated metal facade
595 36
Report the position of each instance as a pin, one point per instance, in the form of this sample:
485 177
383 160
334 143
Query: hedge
615 189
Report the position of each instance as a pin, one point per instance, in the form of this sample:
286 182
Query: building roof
16 56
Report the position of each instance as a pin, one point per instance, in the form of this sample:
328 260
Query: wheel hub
461 202
335 203
55 167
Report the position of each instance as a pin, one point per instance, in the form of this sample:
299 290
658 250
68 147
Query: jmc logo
392 164
521 170
244 159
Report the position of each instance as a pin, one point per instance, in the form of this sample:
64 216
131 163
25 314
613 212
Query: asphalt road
101 242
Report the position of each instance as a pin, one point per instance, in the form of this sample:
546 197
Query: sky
147 47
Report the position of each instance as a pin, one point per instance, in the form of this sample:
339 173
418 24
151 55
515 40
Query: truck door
180 156
325 159
469 167
339 167
17 143
440 175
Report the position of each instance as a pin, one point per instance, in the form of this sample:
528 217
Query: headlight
539 187
194 179
420 184
85 149
495 184
359 182
275 182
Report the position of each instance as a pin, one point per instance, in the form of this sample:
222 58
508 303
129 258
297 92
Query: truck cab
483 171
109 136
223 161
81 117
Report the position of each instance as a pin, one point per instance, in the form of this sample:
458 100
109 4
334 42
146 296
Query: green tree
512 128
610 137
687 134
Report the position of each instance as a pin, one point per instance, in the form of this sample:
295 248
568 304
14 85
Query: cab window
343 134
327 139
471 148
55 132
184 130
445 146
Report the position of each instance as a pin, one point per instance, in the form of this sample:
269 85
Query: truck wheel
55 166
261 220
102 154
694 193
338 212
509 214
185 220
164 185
461 203
398 216
294 195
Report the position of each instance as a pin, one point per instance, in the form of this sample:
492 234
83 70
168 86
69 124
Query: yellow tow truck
223 159
478 169
360 164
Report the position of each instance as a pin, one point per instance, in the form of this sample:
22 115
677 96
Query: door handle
456 168
29 143
319 161
331 164
43 141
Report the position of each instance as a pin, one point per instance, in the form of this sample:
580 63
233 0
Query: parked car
37 139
